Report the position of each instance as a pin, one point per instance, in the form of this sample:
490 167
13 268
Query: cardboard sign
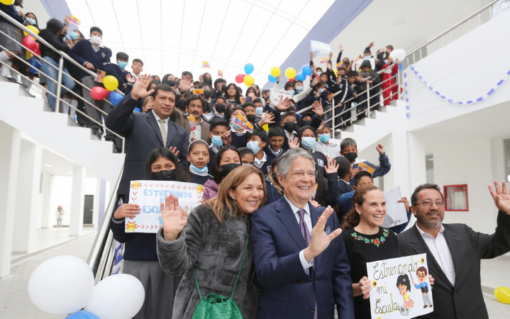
100 76
367 168
244 123
192 123
149 195
320 48
396 213
400 288
198 92
277 94
206 65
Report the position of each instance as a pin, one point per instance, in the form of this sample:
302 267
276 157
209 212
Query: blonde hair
223 202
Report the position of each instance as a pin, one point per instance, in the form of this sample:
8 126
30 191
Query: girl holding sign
140 254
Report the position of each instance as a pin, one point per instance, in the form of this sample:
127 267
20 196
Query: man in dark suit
454 251
146 131
300 261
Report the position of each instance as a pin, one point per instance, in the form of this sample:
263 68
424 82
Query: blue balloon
36 65
82 314
272 79
300 77
307 70
115 97
248 68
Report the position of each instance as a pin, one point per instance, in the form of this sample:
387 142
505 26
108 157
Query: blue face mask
291 92
122 64
30 21
73 36
324 138
199 170
308 142
253 146
299 89
64 39
217 141
259 110
322 90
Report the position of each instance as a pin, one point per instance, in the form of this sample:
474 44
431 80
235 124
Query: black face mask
171 83
220 108
227 168
207 94
165 175
351 156
251 118
306 123
289 126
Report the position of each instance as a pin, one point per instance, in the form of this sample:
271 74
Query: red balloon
291 80
99 93
37 50
29 42
240 78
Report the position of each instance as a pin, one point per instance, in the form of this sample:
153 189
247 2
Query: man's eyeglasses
301 173
428 204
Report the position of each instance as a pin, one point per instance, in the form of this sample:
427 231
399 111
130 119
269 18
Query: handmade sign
149 194
277 94
244 123
320 48
395 212
400 287
100 76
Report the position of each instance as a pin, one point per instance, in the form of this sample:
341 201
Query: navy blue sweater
115 70
11 11
197 179
83 52
138 246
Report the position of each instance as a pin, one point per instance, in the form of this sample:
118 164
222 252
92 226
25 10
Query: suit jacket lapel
453 244
172 130
152 121
288 219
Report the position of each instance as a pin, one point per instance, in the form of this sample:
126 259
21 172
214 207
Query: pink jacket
210 189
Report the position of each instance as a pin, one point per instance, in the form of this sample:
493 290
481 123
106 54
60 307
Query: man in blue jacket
92 55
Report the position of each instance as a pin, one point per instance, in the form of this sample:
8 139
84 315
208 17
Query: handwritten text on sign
149 195
400 287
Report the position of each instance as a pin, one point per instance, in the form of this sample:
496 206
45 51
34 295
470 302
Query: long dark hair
217 159
238 95
165 153
352 219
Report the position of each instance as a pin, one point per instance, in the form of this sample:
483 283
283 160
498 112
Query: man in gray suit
454 251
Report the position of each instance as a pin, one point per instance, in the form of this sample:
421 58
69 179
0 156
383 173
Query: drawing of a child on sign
421 273
404 286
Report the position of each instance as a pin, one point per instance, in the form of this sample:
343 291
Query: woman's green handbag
214 306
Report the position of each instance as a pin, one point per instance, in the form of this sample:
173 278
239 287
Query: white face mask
96 40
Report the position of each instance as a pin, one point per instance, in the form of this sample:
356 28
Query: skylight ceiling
172 36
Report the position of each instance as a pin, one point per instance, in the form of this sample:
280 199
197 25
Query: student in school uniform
217 133
232 94
274 147
247 156
330 150
198 158
344 175
273 187
349 149
257 141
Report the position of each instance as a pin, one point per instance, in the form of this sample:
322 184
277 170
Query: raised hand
283 105
185 84
365 286
341 48
315 80
127 210
380 148
501 197
130 78
320 240
139 90
317 108
406 203
330 55
311 55
294 143
332 167
267 118
173 217
321 126
226 137
174 150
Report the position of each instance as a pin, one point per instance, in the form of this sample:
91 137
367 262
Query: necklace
375 241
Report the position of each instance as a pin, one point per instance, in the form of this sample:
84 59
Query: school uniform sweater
83 53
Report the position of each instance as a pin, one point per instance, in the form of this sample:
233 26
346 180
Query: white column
399 173
77 201
27 203
47 214
9 159
417 161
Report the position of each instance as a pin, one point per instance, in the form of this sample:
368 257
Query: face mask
319 73
324 138
220 108
289 126
308 142
322 90
30 21
351 156
199 170
299 89
96 40
73 36
291 92
165 175
251 117
122 64
217 141
253 146
227 168
306 123
259 110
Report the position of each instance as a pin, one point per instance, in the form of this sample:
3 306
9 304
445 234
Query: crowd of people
285 208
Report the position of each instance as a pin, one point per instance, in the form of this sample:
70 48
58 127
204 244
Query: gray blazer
465 299
216 251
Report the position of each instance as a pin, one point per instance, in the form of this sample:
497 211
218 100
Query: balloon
300 77
115 97
99 93
7 2
61 285
117 297
82 314
398 54
248 68
28 55
36 65
275 71
307 70
37 50
271 78
33 29
240 78
29 42
290 73
248 80
336 72
502 294
110 83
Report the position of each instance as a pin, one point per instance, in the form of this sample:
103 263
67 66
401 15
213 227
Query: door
88 209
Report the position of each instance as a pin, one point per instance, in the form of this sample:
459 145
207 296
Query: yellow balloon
275 71
7 2
32 28
249 80
28 55
110 83
336 72
502 294
290 73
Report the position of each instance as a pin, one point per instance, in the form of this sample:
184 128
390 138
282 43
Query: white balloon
61 285
399 54
117 297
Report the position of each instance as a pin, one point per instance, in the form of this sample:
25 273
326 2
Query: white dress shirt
308 222
165 121
439 248
260 162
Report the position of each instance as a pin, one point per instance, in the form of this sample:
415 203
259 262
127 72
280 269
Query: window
456 198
